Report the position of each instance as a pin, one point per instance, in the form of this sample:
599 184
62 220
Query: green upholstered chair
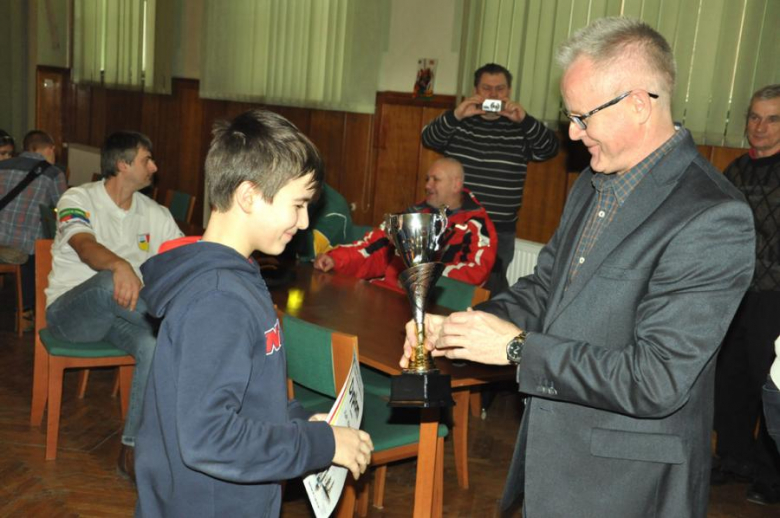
180 204
53 356
48 220
318 362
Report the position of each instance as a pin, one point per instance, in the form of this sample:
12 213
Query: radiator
524 260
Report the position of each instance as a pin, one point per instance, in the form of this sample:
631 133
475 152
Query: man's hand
353 449
466 335
432 328
324 262
513 111
127 285
470 107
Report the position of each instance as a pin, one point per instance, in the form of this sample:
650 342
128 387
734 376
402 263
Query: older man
748 349
106 230
615 334
468 247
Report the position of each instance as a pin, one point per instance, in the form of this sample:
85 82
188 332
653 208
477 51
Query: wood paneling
180 124
376 161
397 158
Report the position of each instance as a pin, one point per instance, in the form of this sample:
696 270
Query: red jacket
468 248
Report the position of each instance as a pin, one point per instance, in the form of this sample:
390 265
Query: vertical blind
115 43
725 50
310 53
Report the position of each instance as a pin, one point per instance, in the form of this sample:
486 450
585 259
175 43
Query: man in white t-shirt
105 231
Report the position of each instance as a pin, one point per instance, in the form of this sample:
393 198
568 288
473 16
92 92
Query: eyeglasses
579 120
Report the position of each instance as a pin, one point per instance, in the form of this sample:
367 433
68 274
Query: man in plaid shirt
20 220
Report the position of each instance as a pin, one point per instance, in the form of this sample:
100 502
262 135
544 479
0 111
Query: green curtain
114 43
725 50
310 53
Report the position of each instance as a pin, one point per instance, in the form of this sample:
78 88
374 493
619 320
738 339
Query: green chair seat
392 427
375 382
57 347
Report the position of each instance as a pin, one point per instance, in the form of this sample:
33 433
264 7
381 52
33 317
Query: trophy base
429 389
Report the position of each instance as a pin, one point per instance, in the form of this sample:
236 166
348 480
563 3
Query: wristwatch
514 349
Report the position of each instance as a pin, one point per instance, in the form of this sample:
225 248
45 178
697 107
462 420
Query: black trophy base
421 390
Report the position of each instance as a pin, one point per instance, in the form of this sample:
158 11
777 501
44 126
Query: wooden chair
16 270
318 361
53 356
180 204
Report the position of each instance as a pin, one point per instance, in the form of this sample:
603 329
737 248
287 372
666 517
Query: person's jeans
771 396
89 313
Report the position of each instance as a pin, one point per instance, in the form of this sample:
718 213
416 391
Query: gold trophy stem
421 360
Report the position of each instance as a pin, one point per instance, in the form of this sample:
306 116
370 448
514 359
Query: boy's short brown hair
261 147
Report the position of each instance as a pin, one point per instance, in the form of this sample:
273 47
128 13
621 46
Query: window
725 50
309 53
114 43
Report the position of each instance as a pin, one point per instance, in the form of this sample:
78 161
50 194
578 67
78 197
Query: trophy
416 239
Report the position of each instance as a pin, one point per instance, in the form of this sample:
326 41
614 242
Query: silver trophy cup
416 237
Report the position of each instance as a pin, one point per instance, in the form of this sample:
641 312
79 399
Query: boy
218 433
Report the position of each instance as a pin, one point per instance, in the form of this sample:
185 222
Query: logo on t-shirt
143 242
273 340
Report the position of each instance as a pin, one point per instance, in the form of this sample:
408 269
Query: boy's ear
246 195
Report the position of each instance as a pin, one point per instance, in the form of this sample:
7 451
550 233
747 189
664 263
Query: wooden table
377 317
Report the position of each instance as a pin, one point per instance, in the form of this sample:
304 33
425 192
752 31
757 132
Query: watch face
514 350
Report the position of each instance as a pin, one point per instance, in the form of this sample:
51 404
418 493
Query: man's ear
641 106
246 195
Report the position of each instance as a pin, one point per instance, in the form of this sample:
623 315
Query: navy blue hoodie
217 433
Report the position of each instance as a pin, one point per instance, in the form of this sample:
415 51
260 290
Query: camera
492 105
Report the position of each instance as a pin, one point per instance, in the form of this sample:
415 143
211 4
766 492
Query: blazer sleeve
692 293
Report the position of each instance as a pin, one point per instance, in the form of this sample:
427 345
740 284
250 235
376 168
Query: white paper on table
324 488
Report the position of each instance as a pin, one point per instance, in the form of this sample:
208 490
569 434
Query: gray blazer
619 367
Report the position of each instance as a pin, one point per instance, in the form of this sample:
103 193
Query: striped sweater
495 155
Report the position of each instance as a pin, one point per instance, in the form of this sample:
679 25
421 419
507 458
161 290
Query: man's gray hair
623 46
766 93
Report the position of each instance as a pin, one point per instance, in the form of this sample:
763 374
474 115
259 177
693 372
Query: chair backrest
48 220
317 358
180 204
457 295
42 269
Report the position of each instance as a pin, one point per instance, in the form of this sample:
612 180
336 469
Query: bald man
468 247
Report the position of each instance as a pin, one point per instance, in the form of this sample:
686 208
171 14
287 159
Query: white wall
422 29
417 29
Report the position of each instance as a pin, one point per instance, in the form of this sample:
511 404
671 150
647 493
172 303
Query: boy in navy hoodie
218 434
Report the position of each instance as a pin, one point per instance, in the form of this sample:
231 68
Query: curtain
114 43
309 53
725 50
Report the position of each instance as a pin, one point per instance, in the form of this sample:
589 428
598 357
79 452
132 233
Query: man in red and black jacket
467 248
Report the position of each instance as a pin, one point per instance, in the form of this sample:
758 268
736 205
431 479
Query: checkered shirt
20 220
613 191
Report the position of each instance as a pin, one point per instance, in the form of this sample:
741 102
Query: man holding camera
494 138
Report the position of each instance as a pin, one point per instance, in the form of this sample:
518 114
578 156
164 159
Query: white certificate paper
324 488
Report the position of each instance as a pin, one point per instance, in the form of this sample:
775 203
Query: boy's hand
353 449
324 262
319 417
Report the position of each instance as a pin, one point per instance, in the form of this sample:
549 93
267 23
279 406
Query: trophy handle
440 223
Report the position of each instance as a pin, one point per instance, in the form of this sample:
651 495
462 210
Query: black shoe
764 493
726 472
126 464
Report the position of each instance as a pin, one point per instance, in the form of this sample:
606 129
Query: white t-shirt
134 235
